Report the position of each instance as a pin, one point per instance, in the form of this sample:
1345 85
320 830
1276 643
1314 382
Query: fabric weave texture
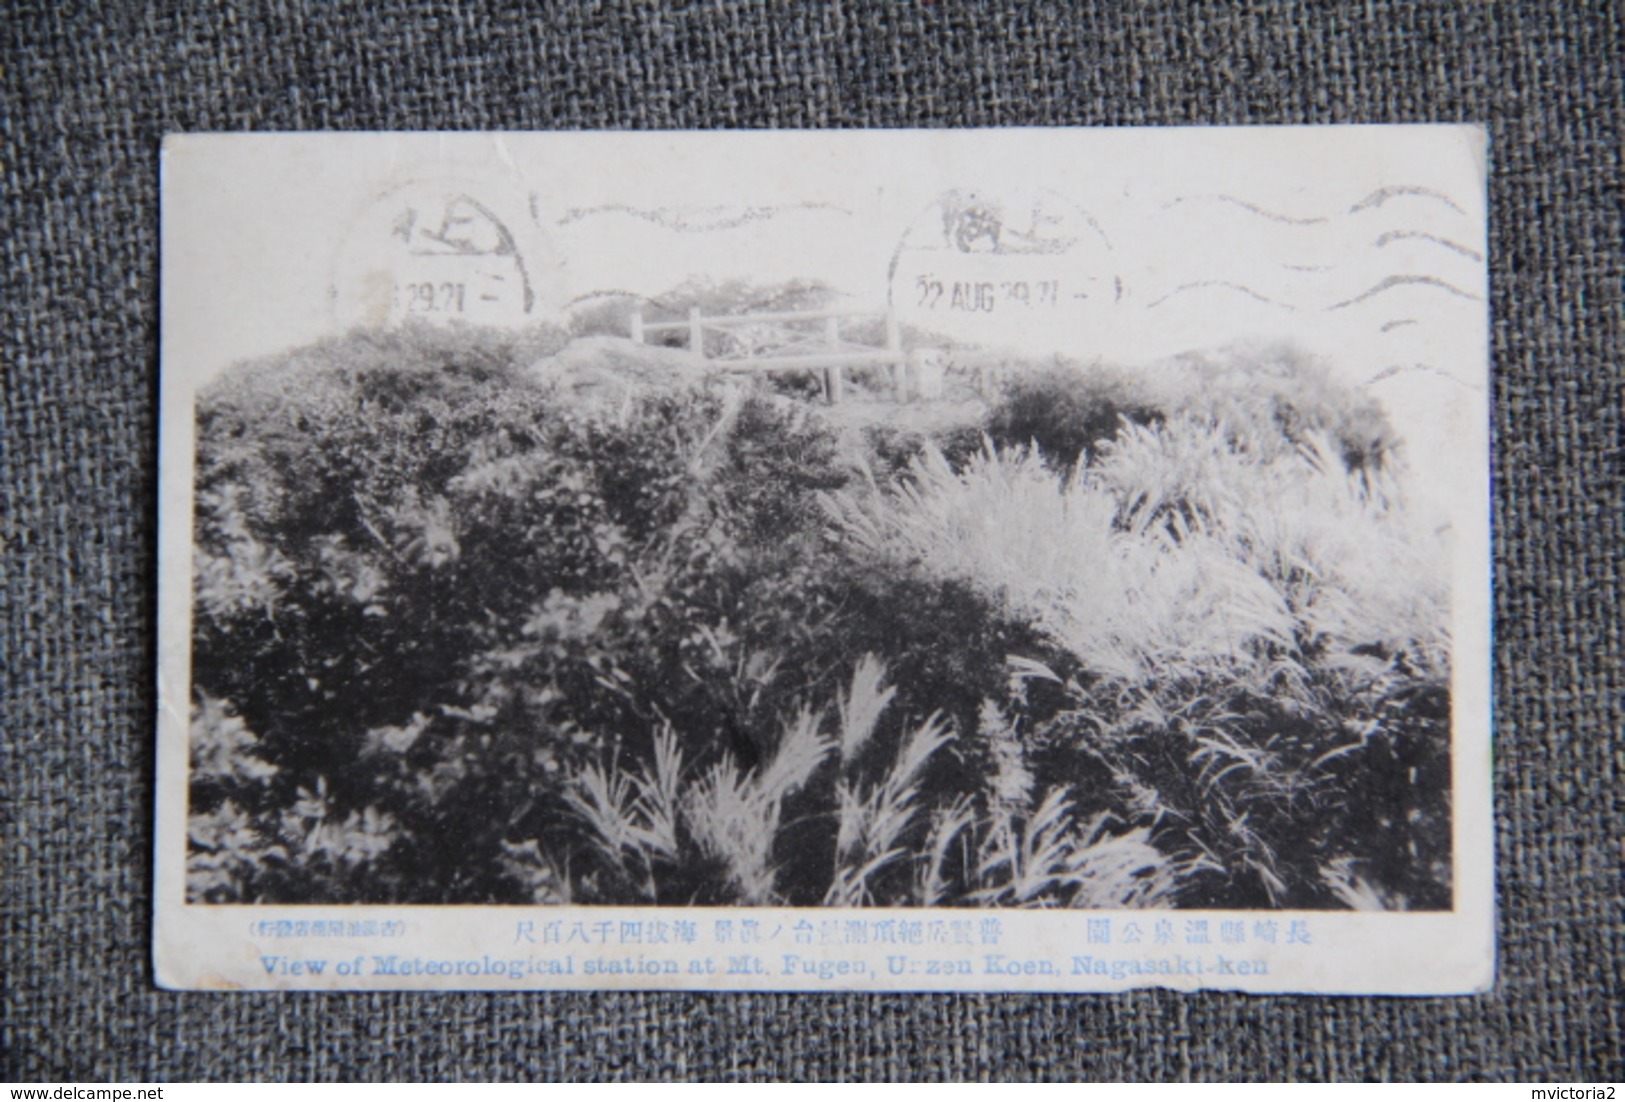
90 90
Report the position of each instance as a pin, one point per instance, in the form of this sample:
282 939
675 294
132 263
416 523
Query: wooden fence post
899 364
832 339
696 333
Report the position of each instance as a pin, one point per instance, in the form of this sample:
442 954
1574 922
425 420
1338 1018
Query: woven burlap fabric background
90 90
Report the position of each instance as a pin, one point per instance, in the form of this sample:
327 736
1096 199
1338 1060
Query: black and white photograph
862 540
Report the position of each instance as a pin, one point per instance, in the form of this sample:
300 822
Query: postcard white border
228 947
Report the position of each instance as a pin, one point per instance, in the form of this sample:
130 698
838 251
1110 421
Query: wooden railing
784 342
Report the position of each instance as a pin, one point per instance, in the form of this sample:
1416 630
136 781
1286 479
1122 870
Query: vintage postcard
1023 560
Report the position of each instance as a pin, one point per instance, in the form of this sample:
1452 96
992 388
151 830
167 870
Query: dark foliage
1067 410
1269 398
448 620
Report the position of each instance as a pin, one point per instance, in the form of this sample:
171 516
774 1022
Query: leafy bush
430 586
1065 410
1269 398
607 316
1273 398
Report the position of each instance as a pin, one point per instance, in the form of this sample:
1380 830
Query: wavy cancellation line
1420 235
1394 370
1389 283
1373 201
1395 281
698 219
1224 284
1395 191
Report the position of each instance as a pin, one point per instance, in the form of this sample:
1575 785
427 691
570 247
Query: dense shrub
1273 397
606 316
1066 410
1269 398
430 591
460 636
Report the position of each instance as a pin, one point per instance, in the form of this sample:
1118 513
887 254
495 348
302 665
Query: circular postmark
1018 268
437 252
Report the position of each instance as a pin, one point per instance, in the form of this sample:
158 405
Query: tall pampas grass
1175 551
1244 621
895 840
